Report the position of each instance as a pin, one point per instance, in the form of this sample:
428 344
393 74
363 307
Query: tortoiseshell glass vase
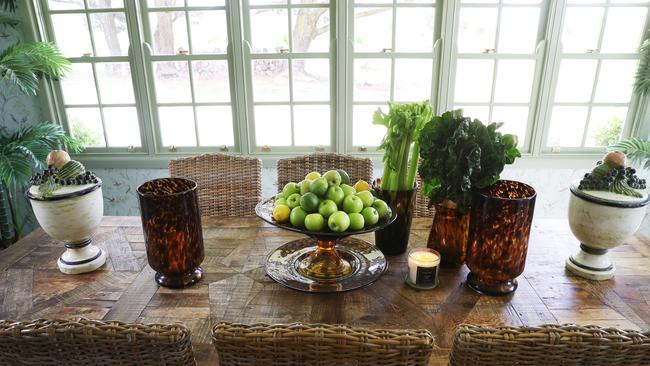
448 235
172 230
394 238
500 220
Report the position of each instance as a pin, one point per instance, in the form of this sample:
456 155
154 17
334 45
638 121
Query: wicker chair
92 342
319 344
422 202
549 345
227 185
295 169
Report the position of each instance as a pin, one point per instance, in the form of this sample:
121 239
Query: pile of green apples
329 201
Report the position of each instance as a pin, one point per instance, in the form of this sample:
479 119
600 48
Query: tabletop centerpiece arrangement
68 204
328 210
397 186
606 207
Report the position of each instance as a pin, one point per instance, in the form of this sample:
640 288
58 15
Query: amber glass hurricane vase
448 235
172 230
500 222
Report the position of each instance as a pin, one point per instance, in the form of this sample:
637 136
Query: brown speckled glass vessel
500 221
448 235
173 236
394 238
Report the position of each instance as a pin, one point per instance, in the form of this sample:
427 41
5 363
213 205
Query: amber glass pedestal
325 263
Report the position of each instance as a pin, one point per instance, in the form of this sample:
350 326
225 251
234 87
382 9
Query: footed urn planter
72 214
601 221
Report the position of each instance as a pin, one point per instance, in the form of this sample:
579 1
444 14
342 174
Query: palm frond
8 19
10 5
24 63
636 149
14 168
642 77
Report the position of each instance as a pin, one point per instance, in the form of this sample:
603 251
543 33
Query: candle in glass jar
423 268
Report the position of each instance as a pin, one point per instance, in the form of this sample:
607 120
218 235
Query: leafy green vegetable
404 122
461 156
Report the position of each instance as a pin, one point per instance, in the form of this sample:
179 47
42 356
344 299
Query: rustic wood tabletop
235 287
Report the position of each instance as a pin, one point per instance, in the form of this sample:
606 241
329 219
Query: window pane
110 34
114 81
372 29
581 29
615 81
310 30
169 32
71 32
515 120
209 31
65 4
206 2
514 80
86 125
211 83
122 127
270 80
575 80
522 1
371 79
414 29
215 126
623 29
363 131
473 80
476 30
164 3
373 1
605 125
79 85
272 125
312 125
270 30
177 126
309 1
479 1
476 112
518 30
412 80
567 126
311 80
266 2
99 4
172 82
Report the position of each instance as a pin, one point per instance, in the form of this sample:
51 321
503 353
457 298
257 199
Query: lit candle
423 268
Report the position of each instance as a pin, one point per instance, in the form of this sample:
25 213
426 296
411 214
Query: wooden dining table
235 287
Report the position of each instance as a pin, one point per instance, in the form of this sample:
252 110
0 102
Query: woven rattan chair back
319 344
92 342
295 169
422 202
227 185
549 345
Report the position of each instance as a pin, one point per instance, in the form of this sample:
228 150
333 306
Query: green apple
280 201
338 222
297 217
370 215
367 198
345 178
319 187
357 222
348 189
290 188
327 208
382 208
352 204
309 202
333 178
335 194
304 186
293 201
314 222
280 195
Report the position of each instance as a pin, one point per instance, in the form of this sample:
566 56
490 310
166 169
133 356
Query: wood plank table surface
235 287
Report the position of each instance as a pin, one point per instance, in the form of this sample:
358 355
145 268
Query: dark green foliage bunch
612 177
461 156
642 77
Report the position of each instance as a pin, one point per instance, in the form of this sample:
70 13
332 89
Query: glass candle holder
500 221
173 236
423 264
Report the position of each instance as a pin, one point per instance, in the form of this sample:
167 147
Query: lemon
312 176
281 213
362 185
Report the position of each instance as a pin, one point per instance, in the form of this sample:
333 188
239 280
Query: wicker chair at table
227 185
92 342
549 345
294 169
319 344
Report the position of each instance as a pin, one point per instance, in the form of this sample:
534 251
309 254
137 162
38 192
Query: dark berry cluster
613 178
40 178
50 174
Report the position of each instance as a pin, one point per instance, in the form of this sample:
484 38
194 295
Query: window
266 77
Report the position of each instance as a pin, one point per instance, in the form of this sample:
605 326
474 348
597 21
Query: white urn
601 221
72 215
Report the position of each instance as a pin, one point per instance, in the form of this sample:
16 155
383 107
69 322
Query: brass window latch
172 148
183 51
224 148
363 148
130 148
266 148
319 148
